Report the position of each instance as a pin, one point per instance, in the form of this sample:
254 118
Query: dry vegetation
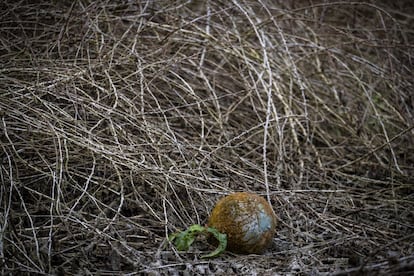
124 121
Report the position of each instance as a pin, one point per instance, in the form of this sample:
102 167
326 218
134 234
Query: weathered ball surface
247 219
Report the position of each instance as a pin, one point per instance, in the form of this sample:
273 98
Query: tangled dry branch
124 121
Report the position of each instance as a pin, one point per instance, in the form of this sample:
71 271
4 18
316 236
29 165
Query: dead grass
124 121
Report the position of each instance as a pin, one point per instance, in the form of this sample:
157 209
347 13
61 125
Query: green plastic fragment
183 240
222 238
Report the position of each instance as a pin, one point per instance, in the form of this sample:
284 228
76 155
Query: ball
247 219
